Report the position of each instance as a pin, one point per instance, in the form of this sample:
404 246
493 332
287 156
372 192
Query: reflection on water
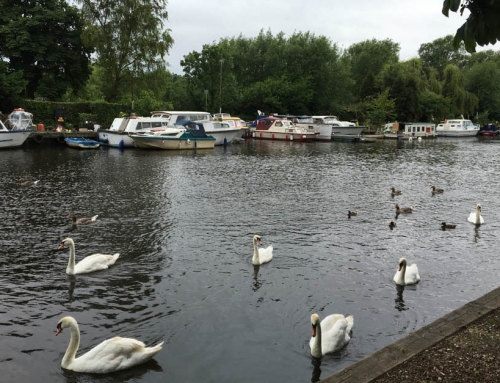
183 223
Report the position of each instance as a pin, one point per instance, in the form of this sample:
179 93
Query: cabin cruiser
459 127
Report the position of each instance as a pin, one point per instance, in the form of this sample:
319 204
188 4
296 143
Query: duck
475 216
94 262
82 220
329 335
403 209
261 255
395 192
406 275
25 182
436 191
351 214
445 225
111 355
392 225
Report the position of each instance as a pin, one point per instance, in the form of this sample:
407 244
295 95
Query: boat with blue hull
81 143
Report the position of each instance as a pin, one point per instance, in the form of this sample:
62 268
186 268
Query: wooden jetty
54 137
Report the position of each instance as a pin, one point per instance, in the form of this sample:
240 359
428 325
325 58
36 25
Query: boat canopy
195 128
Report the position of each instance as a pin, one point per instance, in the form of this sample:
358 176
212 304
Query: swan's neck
478 216
71 262
74 343
402 274
316 348
255 258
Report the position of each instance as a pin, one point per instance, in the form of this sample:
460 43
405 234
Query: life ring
60 139
38 138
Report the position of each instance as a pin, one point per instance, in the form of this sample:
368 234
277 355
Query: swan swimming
261 255
111 355
329 335
94 262
406 275
475 216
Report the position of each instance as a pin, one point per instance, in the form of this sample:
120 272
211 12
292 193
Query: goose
351 214
329 335
82 220
395 192
261 255
110 355
475 217
406 275
445 225
403 209
392 225
94 262
436 191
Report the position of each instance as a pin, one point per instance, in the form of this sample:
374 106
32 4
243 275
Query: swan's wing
95 262
328 322
115 354
265 255
94 218
336 337
411 275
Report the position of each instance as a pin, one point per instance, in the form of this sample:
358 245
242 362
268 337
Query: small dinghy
81 143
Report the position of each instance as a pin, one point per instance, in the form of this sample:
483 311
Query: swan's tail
94 218
152 351
350 323
35 182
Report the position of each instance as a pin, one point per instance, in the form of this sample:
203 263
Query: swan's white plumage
406 275
94 262
261 255
475 217
110 355
331 334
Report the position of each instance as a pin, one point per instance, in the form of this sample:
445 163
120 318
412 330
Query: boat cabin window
278 123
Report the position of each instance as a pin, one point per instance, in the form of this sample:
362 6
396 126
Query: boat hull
150 142
224 137
115 139
283 136
13 139
458 133
347 130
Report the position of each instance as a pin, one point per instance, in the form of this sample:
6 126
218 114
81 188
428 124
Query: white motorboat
19 127
339 128
459 127
274 128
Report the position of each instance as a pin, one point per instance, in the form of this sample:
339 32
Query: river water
183 223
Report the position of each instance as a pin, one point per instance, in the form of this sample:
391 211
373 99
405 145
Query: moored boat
274 128
81 143
459 127
489 130
185 135
234 122
339 128
19 126
410 130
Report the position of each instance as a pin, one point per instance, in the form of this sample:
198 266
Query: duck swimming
403 209
436 191
445 225
351 214
395 192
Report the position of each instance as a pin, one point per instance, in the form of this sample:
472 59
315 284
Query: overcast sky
194 23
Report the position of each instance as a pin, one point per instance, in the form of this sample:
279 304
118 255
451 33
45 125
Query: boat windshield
20 120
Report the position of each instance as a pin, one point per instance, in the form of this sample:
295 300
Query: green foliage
483 80
441 52
43 111
482 26
42 39
11 86
381 109
462 102
130 39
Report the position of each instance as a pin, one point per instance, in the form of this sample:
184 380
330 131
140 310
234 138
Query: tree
130 39
441 52
43 40
483 80
11 86
482 26
462 102
381 109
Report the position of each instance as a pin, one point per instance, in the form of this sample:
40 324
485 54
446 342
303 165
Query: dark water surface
183 224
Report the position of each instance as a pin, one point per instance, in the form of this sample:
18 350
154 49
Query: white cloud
194 23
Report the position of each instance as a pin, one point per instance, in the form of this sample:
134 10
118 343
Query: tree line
114 51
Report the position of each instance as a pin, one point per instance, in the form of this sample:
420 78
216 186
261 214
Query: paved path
387 358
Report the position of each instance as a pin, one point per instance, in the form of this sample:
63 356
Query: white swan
94 262
331 334
406 275
111 355
261 255
475 216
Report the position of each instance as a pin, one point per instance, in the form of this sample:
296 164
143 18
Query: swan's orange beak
61 246
259 241
313 334
59 330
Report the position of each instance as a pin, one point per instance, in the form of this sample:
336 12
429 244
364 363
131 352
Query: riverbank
462 346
